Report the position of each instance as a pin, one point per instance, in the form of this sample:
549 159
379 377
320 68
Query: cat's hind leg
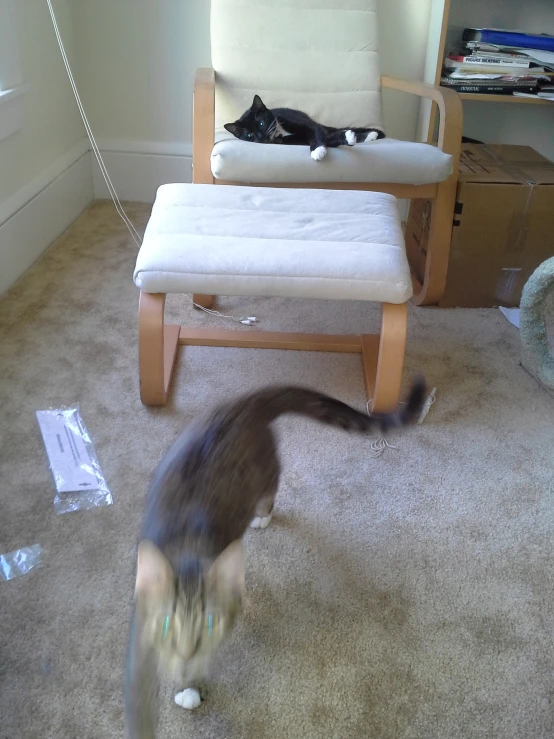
264 512
352 136
368 134
343 137
265 480
265 505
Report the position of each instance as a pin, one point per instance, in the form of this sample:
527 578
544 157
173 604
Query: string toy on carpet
379 445
245 320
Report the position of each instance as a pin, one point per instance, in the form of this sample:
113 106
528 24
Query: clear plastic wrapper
80 484
20 562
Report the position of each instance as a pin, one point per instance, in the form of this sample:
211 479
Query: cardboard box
503 226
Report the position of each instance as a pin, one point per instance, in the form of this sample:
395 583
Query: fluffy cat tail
273 402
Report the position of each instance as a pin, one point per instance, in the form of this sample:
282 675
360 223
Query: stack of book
490 61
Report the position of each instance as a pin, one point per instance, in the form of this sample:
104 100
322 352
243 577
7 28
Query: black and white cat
293 127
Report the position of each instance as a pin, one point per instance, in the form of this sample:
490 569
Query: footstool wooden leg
383 382
206 301
157 349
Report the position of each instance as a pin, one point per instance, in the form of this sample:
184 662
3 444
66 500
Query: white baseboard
37 214
19 199
138 168
34 217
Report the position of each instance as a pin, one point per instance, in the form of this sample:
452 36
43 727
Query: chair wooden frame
382 355
442 194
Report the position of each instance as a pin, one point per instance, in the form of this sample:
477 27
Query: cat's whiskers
271 131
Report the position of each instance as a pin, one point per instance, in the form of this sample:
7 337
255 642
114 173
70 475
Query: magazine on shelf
488 60
535 56
490 87
454 66
505 37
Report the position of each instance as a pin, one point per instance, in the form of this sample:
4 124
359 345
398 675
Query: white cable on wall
248 321
132 230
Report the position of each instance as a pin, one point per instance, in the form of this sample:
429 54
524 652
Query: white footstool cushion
226 240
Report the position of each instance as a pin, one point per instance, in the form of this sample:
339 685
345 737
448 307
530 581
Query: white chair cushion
320 56
386 160
227 240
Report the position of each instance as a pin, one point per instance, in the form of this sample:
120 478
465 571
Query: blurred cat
220 477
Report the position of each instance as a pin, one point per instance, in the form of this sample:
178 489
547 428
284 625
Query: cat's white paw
261 522
350 137
372 135
319 153
189 698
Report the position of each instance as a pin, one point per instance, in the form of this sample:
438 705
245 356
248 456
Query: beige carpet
409 596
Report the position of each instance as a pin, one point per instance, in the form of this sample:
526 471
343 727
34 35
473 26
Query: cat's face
257 124
186 621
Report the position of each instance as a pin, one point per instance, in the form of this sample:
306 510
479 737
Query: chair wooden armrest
203 122
450 110
429 290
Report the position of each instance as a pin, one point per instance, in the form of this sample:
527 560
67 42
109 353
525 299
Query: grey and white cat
220 477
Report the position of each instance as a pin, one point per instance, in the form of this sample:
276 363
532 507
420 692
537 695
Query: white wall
534 16
52 124
136 65
135 69
45 178
404 27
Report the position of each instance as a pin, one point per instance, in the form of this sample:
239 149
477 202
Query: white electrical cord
132 230
249 321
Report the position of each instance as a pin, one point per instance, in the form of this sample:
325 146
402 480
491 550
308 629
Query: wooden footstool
326 244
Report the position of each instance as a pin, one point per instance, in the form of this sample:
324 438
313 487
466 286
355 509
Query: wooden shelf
503 99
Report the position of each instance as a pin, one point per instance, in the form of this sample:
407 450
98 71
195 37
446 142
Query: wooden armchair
324 61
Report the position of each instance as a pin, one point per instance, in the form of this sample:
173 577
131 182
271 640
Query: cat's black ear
233 128
257 104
